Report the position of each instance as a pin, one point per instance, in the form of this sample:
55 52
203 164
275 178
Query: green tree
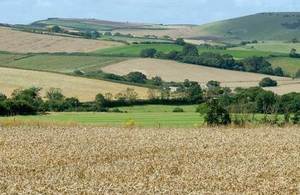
190 50
278 72
148 53
180 41
265 102
100 102
136 77
56 29
216 114
267 82
55 94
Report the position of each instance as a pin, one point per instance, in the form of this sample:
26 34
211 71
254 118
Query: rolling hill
262 26
89 24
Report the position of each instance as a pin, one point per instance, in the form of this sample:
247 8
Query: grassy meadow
147 116
142 116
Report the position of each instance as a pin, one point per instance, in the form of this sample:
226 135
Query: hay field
23 42
91 160
175 71
82 88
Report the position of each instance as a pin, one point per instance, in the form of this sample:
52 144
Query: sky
149 11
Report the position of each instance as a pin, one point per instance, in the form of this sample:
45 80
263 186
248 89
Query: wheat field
23 42
175 71
90 160
82 88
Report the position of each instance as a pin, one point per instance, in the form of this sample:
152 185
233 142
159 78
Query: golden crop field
23 42
91 160
82 88
175 71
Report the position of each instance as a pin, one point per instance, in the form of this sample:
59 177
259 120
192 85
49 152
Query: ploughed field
23 42
82 159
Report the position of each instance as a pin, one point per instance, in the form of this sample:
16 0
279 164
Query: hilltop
262 26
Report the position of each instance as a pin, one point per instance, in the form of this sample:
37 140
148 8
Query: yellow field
90 160
82 88
175 71
23 42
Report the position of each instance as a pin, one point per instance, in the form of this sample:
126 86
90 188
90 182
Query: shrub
148 53
267 82
296 118
177 109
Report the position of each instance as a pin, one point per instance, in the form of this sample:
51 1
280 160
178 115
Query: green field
135 49
143 116
238 54
270 46
57 63
289 65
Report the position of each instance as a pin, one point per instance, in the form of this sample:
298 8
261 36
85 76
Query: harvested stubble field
91 160
175 71
23 42
71 86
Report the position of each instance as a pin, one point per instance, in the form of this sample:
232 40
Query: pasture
175 71
289 65
57 63
270 46
23 42
135 49
82 88
81 159
141 116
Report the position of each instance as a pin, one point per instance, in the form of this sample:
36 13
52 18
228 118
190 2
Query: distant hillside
263 26
89 24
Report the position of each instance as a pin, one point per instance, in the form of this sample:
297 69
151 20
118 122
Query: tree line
217 102
190 54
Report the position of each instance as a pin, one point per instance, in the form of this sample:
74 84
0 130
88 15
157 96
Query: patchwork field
135 50
82 88
23 42
175 71
88 160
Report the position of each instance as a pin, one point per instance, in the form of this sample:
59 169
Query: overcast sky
151 11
